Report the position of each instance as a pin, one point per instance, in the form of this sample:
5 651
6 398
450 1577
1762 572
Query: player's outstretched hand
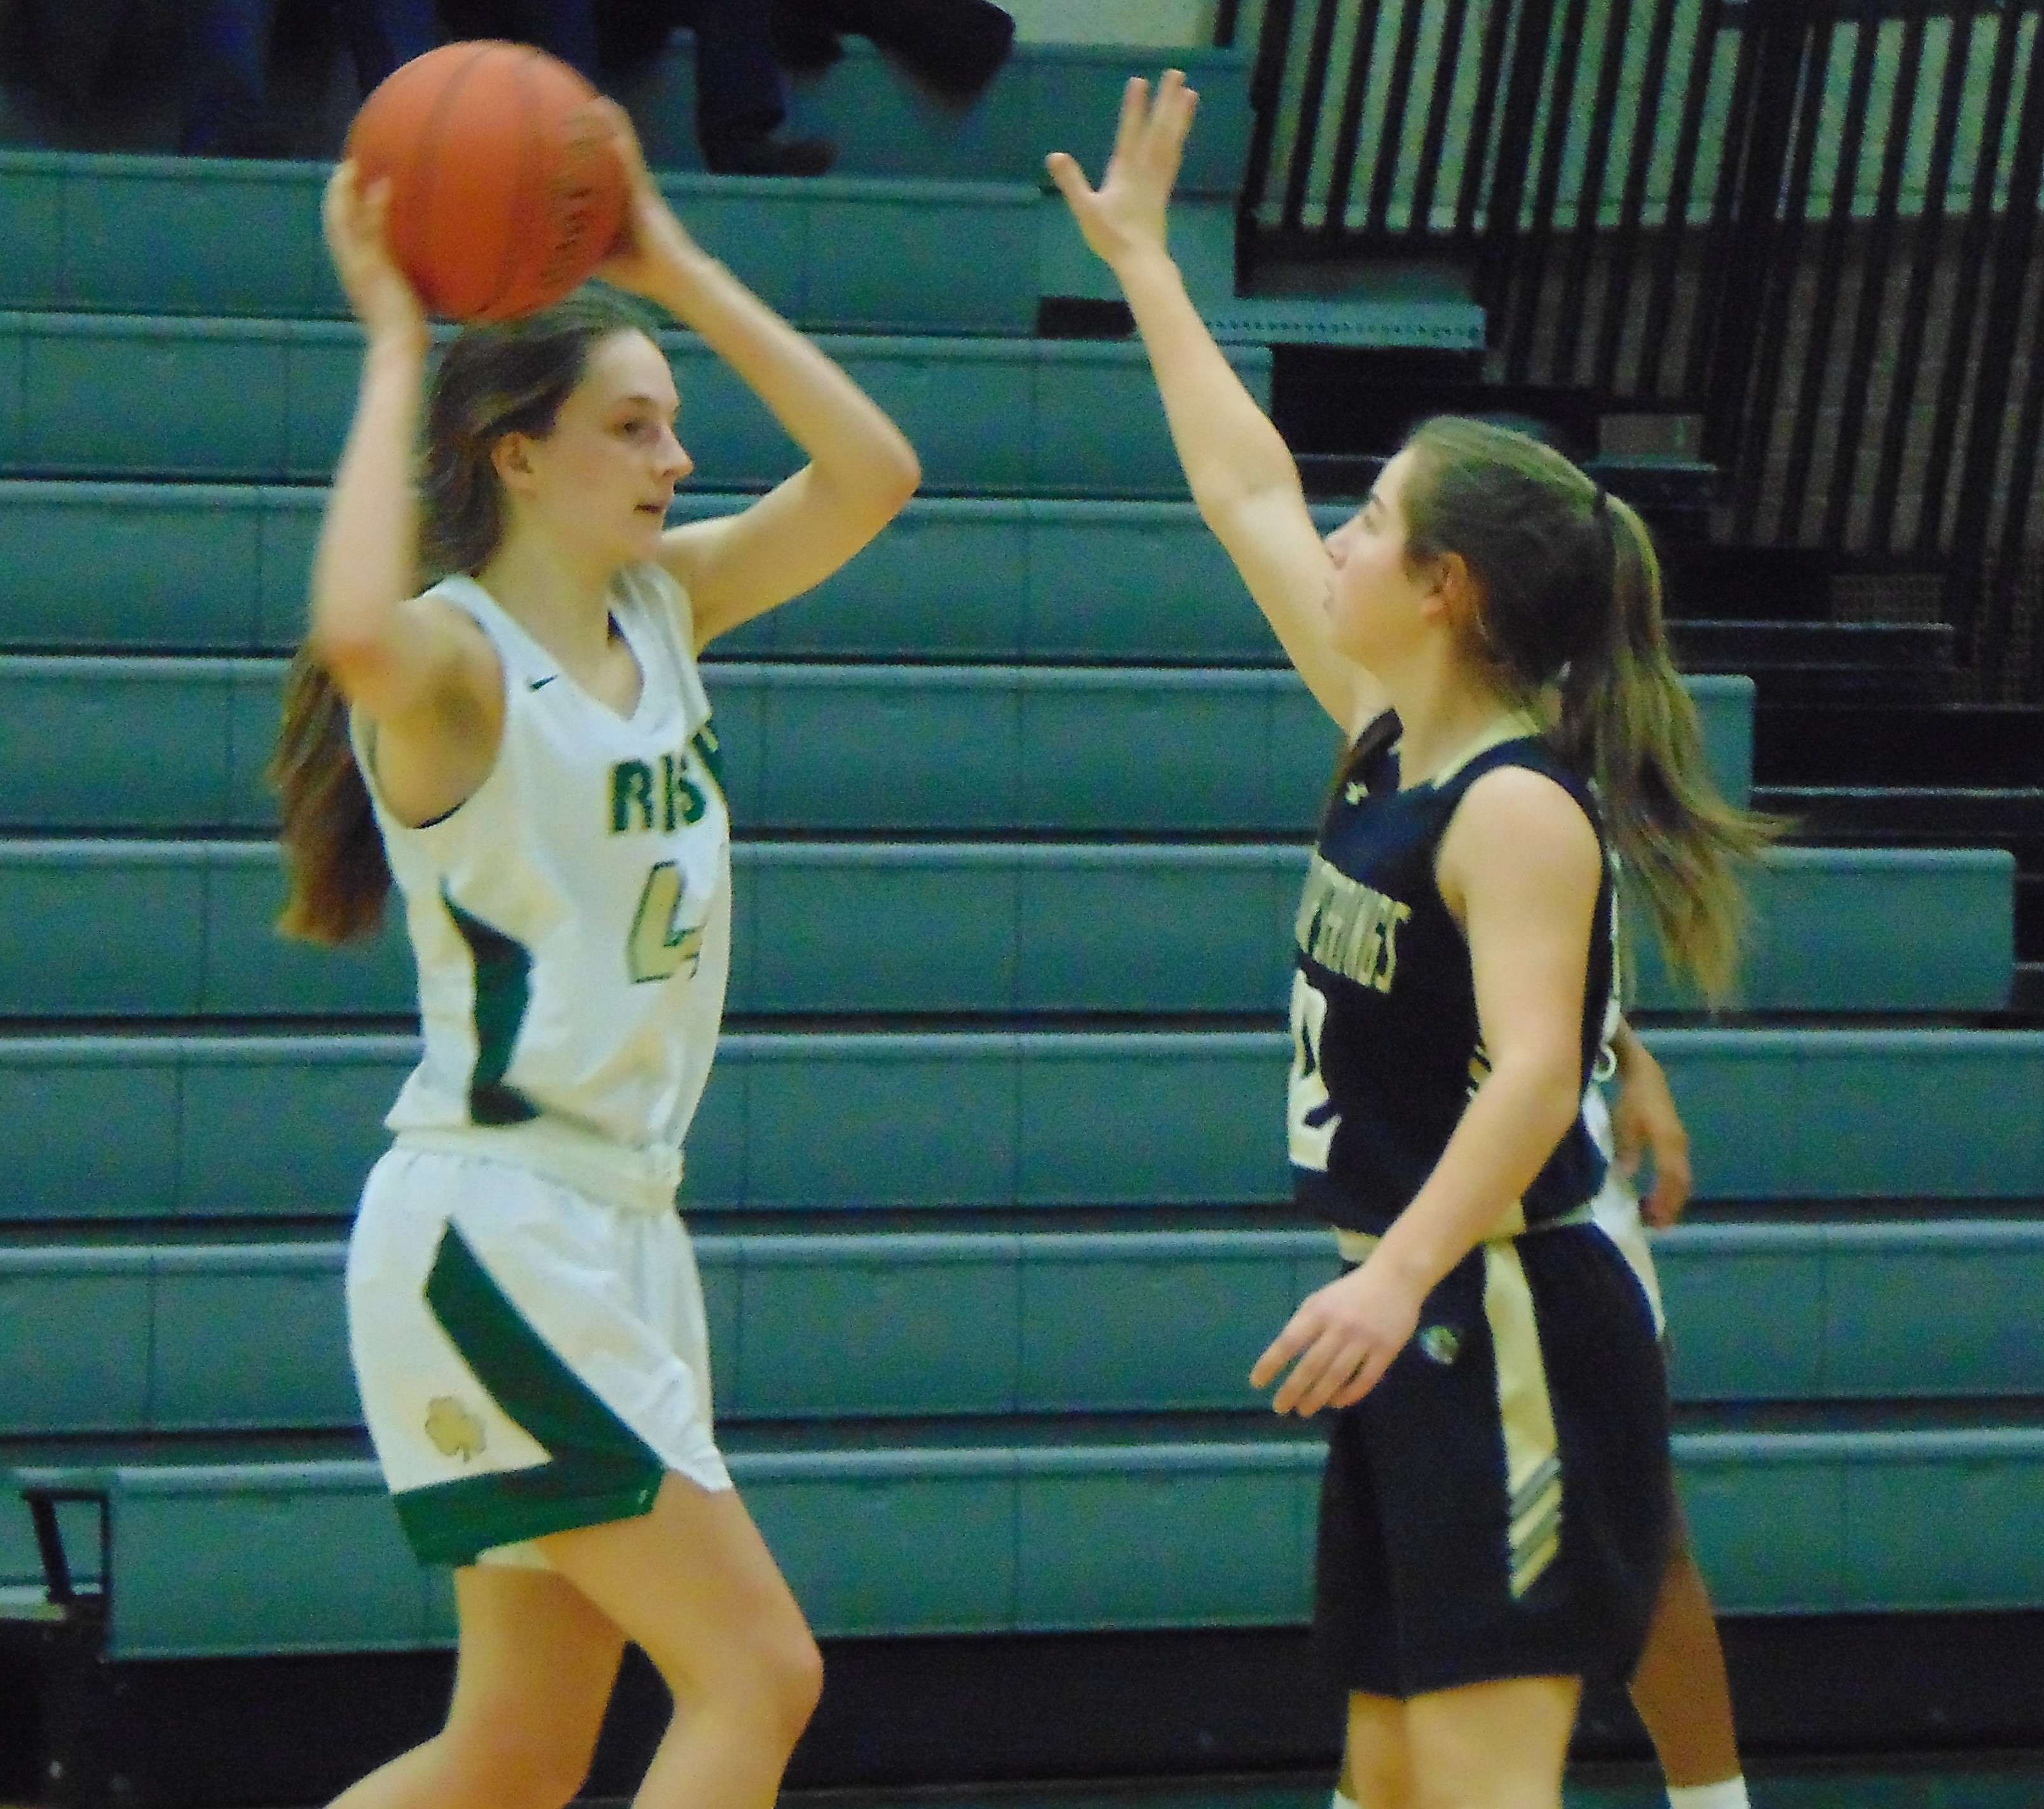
653 245
357 221
1343 1337
1644 1122
1124 216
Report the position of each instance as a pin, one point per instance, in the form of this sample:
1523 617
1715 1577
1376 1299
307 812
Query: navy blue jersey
1386 1047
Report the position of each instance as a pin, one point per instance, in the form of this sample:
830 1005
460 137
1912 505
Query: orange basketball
506 188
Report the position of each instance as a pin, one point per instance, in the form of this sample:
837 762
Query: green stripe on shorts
598 1470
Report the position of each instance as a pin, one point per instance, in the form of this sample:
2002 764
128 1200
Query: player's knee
515 1766
791 1681
768 1677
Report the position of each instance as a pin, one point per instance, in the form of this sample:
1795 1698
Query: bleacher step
132 744
179 1337
116 396
90 567
1032 1538
170 235
1778 1115
873 929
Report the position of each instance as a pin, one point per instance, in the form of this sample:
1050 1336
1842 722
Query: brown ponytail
333 853
1570 599
1626 719
490 382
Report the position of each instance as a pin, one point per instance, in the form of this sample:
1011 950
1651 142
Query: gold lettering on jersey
1350 927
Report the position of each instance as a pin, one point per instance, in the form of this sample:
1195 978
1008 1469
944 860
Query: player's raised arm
396 656
1242 477
861 469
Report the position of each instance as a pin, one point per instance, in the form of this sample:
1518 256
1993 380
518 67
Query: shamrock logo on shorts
456 1432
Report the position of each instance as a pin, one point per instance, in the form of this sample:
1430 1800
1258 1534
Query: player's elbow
897 473
869 494
359 661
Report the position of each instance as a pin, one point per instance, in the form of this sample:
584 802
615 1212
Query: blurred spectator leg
954 45
227 45
741 101
565 27
383 33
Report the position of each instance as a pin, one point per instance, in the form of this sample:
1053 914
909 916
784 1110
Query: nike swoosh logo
550 678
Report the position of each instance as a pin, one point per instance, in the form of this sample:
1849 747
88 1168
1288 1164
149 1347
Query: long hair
1570 603
490 382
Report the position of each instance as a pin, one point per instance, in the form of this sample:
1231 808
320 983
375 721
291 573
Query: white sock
1730 1795
1341 1802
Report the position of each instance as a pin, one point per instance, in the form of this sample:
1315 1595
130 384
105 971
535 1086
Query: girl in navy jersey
1495 1518
526 747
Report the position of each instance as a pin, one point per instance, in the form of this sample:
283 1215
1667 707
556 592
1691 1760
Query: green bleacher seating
125 743
1034 1536
134 1338
127 1126
268 401
174 235
827 928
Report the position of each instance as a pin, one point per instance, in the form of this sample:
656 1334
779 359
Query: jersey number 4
1311 1118
659 943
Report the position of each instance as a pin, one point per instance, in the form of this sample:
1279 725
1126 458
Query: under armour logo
1442 1343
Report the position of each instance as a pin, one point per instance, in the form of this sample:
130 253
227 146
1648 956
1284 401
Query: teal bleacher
165 1128
998 1132
94 395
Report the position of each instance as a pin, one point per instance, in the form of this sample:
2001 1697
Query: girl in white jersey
529 743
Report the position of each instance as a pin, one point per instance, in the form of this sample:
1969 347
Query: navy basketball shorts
1500 1505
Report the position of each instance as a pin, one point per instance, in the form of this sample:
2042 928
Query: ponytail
333 853
1627 720
491 380
1570 600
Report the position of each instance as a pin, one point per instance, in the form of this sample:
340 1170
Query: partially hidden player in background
1497 1518
525 1315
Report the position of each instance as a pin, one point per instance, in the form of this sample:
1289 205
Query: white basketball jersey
571 920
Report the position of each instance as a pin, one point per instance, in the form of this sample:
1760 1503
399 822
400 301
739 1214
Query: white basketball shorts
531 1359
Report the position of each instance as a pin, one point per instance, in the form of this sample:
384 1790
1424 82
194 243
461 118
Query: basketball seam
428 139
529 148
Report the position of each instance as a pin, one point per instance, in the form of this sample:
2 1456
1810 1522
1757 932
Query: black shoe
761 154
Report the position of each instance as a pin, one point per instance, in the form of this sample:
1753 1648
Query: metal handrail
1650 198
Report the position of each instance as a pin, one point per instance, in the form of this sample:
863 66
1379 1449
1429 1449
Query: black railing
1811 223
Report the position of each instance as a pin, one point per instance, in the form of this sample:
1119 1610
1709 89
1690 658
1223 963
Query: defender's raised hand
1124 216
